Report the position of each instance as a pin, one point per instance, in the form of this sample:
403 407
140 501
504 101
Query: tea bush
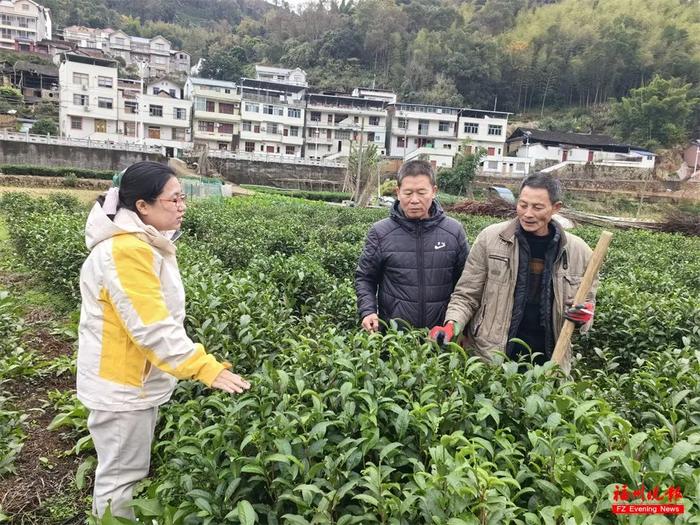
14 360
345 427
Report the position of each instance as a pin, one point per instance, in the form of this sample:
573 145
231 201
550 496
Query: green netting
192 187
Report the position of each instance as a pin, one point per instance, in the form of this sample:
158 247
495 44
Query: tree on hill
658 114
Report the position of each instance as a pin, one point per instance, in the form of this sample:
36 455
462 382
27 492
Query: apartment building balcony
215 116
232 96
324 139
274 100
213 135
264 136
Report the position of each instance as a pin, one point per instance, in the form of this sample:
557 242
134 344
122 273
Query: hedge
326 196
55 171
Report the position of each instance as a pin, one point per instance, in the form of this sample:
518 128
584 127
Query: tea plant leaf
584 407
246 513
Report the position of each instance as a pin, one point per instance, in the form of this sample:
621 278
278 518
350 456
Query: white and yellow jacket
132 345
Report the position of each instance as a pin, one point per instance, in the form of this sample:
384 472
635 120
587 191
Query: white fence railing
272 157
145 148
83 143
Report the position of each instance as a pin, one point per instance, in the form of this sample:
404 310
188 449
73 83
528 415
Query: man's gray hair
547 182
415 168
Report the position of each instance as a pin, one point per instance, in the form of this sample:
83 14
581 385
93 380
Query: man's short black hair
415 168
547 182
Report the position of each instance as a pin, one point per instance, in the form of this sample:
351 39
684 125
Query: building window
153 132
25 7
199 104
103 102
342 134
179 113
374 121
172 93
444 126
223 146
100 125
106 82
155 111
210 106
471 128
495 129
80 100
119 41
293 131
311 147
130 129
253 108
130 106
226 108
370 136
76 123
447 146
403 123
268 109
289 150
491 151
315 116
160 46
156 90
250 147
401 142
81 78
226 128
293 113
179 134
246 125
205 126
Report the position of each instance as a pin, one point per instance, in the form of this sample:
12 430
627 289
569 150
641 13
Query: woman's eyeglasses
177 200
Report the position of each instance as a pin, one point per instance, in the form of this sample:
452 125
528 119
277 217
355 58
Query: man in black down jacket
412 260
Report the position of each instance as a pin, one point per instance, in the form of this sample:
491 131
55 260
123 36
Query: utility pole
359 162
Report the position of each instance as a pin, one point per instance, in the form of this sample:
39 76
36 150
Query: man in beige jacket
520 280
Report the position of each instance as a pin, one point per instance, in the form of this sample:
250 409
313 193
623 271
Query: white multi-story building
420 130
156 54
97 105
335 122
295 77
22 24
88 98
160 116
272 118
217 113
485 129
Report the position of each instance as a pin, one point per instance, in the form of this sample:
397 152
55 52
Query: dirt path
43 490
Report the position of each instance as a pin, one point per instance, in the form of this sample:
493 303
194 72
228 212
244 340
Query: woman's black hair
143 181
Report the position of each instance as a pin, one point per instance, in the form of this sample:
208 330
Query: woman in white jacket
132 345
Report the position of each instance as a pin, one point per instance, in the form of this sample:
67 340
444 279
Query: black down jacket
409 267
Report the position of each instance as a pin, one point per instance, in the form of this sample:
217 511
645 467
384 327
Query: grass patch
84 196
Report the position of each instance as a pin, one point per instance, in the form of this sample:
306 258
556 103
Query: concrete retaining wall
13 152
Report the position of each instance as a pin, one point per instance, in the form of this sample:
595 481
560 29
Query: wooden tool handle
591 271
